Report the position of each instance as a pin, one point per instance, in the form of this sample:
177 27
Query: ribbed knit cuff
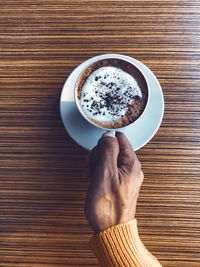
120 246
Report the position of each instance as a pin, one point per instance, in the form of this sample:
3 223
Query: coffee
112 93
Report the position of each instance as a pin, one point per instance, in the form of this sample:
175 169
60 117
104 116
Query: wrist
103 227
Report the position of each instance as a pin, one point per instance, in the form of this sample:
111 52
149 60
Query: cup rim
109 56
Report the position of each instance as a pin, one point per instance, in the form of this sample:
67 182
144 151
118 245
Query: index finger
127 156
92 161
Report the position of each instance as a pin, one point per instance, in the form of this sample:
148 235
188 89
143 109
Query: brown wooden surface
42 183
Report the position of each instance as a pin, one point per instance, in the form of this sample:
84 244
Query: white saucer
139 133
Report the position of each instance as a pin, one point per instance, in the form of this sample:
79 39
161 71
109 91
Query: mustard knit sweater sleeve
120 246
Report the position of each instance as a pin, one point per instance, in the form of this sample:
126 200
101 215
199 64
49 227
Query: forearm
120 246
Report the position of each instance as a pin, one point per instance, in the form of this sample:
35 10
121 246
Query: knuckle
138 164
140 176
137 168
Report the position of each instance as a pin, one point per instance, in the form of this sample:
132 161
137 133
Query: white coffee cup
85 72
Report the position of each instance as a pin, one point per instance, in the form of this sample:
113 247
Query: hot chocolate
112 93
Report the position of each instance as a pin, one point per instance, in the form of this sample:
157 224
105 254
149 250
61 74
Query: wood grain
42 185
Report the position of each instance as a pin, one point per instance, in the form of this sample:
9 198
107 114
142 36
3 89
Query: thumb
108 150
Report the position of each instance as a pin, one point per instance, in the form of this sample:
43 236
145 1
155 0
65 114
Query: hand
115 179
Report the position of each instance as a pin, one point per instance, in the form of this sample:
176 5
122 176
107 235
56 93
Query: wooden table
42 185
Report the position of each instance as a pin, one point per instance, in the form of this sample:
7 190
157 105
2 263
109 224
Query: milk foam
107 94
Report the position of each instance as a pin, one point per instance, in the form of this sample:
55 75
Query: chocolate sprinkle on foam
109 92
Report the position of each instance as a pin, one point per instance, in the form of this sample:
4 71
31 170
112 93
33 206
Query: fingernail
109 133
